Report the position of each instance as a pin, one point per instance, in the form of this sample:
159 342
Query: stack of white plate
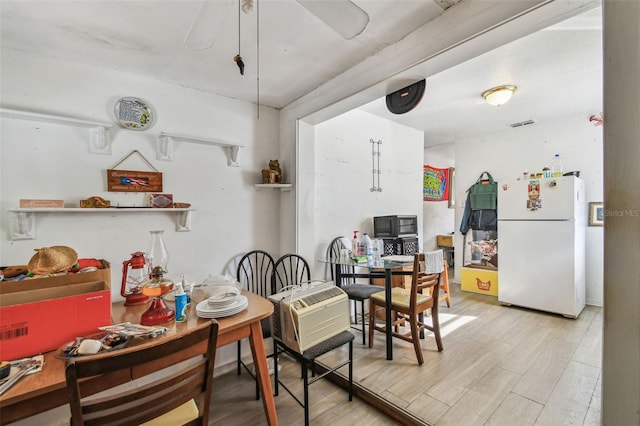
222 305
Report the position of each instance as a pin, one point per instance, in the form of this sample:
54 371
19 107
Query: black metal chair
291 270
254 274
355 291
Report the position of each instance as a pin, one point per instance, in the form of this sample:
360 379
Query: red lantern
133 278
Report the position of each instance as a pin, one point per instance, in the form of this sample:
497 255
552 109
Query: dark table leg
387 295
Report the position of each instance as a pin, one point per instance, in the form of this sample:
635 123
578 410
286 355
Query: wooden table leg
262 372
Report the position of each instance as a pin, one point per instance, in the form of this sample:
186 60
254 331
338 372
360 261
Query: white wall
439 218
40 160
506 154
343 200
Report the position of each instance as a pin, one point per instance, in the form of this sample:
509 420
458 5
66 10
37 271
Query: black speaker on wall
404 100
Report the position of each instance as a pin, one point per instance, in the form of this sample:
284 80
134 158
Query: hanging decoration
238 58
248 7
435 184
375 165
133 180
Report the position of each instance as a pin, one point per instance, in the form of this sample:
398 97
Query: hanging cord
238 58
258 59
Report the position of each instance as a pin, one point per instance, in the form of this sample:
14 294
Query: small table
390 264
43 391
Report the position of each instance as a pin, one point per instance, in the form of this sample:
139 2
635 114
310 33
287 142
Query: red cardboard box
41 315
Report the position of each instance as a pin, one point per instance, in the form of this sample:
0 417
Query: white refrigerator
541 250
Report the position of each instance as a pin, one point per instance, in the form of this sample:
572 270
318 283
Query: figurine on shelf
95 203
273 174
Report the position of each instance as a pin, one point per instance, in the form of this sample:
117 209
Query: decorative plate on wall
134 113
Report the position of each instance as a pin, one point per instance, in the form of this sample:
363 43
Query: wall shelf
282 186
99 142
165 146
24 223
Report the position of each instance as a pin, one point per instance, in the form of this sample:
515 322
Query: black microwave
395 226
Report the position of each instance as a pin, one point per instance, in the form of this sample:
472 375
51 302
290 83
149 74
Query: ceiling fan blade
207 24
343 16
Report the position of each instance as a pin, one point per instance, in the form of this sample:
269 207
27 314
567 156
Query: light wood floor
500 366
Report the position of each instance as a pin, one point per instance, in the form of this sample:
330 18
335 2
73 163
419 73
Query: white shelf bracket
232 156
99 132
165 146
164 149
100 140
23 226
183 221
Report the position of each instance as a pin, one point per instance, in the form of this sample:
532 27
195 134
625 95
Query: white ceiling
557 71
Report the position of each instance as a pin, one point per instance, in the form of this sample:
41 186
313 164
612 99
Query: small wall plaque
134 114
133 180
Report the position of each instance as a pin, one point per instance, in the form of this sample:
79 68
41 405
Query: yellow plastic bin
478 280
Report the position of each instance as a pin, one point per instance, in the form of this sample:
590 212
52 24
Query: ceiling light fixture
499 95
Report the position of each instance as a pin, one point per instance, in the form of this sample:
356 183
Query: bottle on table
366 247
181 303
355 244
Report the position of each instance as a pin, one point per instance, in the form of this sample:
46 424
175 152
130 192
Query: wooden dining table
46 390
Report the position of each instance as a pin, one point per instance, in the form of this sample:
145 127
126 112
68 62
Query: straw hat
52 259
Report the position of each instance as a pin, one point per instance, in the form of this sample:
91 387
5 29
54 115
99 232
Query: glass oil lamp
157 259
156 288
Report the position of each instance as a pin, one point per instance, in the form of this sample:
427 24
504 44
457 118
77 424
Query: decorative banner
435 184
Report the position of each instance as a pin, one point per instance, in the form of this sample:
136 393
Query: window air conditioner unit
309 314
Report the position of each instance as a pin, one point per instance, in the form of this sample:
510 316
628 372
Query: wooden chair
356 292
254 274
408 305
445 284
139 386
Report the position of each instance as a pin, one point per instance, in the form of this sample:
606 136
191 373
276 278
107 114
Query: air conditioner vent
321 296
522 123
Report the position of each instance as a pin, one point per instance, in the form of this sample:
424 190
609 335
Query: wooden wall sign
133 180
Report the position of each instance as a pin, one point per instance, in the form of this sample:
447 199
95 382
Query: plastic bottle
181 304
556 166
367 248
187 290
377 260
355 244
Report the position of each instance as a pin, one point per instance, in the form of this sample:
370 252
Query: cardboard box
444 240
34 204
478 280
41 315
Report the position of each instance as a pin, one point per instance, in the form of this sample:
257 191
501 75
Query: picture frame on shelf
596 213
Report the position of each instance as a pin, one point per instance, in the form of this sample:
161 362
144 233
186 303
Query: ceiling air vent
522 123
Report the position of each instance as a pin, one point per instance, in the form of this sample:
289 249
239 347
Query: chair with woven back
357 292
254 274
164 381
409 305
